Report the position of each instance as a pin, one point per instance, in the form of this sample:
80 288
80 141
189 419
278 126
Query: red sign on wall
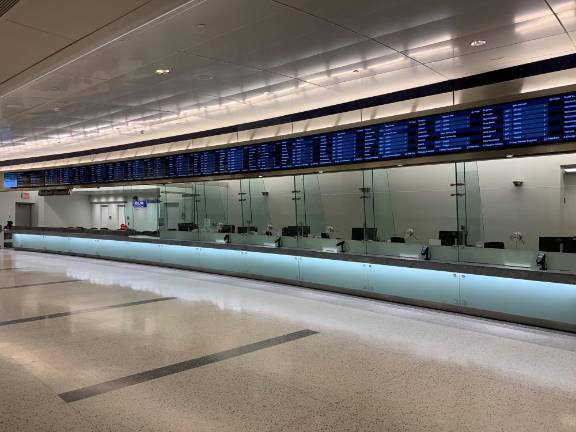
25 195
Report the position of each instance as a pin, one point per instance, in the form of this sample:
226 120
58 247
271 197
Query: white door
121 215
104 216
173 210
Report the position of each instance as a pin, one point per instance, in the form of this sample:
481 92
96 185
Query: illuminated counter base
523 296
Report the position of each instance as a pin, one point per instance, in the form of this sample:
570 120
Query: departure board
544 120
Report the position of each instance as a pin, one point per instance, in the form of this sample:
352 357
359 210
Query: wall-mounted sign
140 204
25 195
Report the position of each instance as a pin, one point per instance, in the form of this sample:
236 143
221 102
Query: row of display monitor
543 120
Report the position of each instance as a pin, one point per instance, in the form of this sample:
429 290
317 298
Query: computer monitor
494 245
227 229
450 238
187 226
557 244
569 245
550 244
365 234
247 229
295 231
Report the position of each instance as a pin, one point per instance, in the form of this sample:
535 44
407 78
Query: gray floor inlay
130 380
82 311
39 284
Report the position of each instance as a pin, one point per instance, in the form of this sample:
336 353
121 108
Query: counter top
456 267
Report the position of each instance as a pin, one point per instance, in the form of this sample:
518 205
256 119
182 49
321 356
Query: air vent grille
6 5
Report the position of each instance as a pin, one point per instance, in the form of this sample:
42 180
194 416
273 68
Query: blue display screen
545 120
10 180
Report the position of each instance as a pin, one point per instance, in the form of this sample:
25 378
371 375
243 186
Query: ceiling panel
237 61
15 36
566 12
405 25
70 19
498 58
286 37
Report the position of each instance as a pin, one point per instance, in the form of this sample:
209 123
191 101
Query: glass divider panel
423 213
383 212
259 206
299 199
528 205
282 194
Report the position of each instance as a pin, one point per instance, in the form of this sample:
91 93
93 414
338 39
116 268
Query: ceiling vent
6 5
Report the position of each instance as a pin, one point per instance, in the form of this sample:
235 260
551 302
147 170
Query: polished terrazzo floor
88 345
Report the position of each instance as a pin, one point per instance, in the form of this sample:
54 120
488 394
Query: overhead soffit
233 62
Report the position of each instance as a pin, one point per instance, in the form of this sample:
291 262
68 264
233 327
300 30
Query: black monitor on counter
187 226
557 244
365 234
451 238
247 229
227 229
296 231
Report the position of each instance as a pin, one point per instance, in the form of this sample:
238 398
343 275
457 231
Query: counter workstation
522 295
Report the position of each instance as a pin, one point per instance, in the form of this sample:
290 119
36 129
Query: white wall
8 202
536 208
66 211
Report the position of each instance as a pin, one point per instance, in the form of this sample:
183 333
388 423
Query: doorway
121 215
104 216
23 215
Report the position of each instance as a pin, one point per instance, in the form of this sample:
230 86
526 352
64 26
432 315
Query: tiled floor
184 351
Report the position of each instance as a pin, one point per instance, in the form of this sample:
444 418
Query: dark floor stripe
39 284
12 268
82 311
130 380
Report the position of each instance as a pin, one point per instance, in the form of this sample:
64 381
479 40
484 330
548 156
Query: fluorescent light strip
535 24
387 63
424 52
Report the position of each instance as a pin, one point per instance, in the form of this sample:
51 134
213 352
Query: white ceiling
233 61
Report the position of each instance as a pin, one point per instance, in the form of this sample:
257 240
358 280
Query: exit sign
25 195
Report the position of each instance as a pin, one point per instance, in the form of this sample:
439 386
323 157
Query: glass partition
518 207
414 208
142 209
497 212
330 211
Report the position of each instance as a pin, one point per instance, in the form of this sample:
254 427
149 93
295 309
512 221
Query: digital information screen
542 120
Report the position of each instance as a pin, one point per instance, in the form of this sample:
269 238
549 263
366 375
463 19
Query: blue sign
140 204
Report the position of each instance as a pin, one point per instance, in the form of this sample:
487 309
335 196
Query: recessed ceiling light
477 43
260 176
162 71
570 170
204 77
201 26
509 156
399 165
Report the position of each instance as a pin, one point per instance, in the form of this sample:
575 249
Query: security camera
518 182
